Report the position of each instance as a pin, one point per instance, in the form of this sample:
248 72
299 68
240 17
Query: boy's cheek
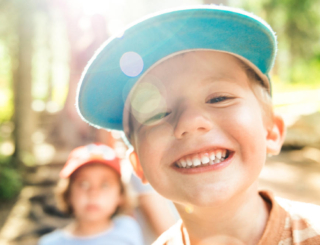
247 127
153 137
249 117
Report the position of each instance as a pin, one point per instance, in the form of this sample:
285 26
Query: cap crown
121 61
93 153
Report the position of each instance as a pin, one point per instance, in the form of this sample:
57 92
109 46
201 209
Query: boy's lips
203 160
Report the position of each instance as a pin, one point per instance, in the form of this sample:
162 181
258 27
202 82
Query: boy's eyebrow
218 78
221 78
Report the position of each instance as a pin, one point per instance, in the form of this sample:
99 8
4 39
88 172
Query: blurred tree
10 179
17 34
298 22
297 25
22 80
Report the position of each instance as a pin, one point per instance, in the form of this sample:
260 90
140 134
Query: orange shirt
290 223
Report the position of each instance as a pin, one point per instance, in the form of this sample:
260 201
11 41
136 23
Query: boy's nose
191 120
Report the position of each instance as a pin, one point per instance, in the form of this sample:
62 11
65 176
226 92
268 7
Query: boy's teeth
218 154
217 160
183 163
212 156
189 162
203 159
196 161
224 153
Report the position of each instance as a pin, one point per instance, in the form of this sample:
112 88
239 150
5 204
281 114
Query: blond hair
261 92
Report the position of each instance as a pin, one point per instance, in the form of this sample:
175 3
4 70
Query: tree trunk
22 81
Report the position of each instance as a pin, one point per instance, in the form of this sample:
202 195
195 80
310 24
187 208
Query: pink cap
93 153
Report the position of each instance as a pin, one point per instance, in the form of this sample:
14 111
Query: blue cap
123 59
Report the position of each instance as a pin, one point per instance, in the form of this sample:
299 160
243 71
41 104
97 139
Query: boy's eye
156 117
217 99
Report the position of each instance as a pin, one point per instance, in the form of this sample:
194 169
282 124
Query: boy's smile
206 160
203 140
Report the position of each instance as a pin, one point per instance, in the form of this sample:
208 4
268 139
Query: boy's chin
216 196
202 198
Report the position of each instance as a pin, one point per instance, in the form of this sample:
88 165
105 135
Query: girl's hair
62 196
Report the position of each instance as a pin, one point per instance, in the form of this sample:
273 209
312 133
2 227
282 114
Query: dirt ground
294 175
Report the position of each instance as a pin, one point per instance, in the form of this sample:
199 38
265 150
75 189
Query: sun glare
91 7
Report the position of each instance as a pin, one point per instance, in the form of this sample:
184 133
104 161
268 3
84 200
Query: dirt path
294 175
5 207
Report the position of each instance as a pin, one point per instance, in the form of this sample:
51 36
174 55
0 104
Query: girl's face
95 192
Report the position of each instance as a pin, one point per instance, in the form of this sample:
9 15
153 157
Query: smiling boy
190 89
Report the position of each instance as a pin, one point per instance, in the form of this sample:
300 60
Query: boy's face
201 105
95 192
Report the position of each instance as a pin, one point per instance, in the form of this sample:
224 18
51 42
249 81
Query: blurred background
45 45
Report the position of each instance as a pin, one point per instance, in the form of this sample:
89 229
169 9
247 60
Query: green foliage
10 179
6 95
297 26
6 105
307 73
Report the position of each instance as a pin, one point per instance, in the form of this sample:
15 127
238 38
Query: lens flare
131 64
147 101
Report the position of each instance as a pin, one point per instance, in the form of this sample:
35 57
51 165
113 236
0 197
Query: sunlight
4 97
112 9
7 148
91 7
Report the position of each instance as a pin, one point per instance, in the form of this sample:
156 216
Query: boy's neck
240 221
87 228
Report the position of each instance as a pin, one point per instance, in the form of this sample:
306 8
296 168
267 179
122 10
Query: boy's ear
276 135
134 159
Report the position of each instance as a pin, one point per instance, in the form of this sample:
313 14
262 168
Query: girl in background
92 191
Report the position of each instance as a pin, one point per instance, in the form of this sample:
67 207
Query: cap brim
105 84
